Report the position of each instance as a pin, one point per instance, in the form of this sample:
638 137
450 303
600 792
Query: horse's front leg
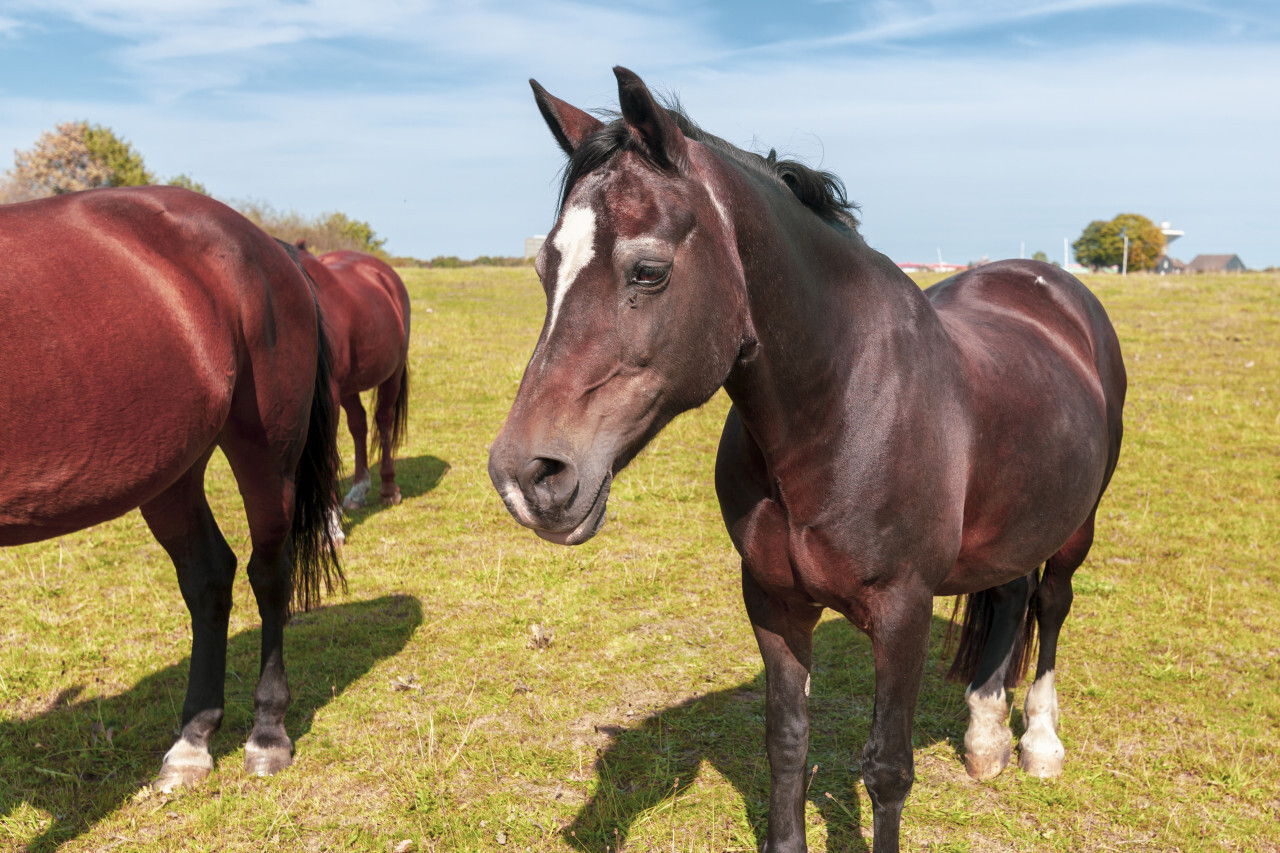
899 642
784 631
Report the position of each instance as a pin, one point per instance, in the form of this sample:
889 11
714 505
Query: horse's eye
650 275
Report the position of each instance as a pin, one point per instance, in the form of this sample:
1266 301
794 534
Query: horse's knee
888 777
787 740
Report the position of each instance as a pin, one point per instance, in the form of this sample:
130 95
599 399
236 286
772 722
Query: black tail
400 419
975 628
319 469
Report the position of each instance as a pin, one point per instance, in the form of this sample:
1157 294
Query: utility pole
1124 263
1066 259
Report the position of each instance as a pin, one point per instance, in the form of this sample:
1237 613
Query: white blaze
574 243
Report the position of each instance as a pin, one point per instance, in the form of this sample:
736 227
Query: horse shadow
653 763
80 760
415 475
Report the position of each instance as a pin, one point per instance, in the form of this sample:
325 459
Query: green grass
427 707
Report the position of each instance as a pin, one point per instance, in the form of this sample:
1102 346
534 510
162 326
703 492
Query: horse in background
885 444
143 328
366 314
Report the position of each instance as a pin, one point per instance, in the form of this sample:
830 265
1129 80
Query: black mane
820 191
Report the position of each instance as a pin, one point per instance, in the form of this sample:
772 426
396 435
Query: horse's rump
1043 385
136 323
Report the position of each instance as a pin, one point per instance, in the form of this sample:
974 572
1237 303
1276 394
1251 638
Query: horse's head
646 311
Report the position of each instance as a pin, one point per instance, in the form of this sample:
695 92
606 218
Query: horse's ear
568 124
650 125
301 243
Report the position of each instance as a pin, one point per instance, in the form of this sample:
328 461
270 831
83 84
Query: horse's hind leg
388 392
358 423
1040 752
268 502
183 524
988 742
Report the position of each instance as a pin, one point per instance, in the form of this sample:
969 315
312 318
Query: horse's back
1045 385
1001 313
129 317
366 308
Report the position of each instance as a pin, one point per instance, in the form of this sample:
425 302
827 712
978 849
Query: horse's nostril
544 472
546 469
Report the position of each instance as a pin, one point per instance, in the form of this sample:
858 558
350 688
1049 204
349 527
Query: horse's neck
826 310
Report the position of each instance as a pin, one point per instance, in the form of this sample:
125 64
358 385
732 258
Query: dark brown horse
885 445
141 329
366 315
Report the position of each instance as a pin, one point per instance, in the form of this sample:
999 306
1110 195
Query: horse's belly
1022 524
89 431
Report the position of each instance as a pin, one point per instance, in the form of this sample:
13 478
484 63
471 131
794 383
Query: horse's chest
799 562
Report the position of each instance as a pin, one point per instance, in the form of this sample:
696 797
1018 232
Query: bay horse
366 314
885 445
142 328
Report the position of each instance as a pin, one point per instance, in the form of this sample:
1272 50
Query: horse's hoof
988 743
989 766
266 761
353 503
1042 764
392 499
172 778
185 766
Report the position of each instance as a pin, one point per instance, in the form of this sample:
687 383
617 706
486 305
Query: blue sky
966 127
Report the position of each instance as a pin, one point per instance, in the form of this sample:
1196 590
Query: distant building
909 266
1170 266
1216 263
533 245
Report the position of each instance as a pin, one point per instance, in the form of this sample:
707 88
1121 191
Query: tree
124 165
327 232
60 162
1040 256
1102 243
358 232
75 156
188 183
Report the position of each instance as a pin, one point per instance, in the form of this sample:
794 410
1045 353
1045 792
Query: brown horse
366 316
884 446
141 329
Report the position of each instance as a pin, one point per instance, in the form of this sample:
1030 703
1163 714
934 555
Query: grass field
479 689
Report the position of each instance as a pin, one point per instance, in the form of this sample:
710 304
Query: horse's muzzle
544 492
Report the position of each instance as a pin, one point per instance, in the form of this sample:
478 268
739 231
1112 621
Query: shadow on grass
650 762
81 760
415 475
